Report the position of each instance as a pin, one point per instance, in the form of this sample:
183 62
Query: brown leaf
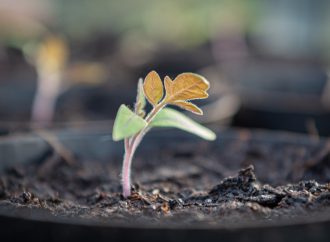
186 86
188 106
153 88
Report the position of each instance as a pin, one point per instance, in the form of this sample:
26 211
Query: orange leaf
188 106
153 88
168 84
186 86
52 54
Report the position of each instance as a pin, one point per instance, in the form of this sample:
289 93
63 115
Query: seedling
131 126
50 57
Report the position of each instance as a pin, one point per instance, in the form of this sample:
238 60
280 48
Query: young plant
55 74
131 126
50 59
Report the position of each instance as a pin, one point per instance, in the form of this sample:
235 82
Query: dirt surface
225 183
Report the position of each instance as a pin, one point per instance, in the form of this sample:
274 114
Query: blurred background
77 61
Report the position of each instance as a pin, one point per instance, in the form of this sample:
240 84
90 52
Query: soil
230 182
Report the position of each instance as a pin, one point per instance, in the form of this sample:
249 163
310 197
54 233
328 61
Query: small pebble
26 196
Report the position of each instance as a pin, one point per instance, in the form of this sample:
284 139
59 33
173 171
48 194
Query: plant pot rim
87 136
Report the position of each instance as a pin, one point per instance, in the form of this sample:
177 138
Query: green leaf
171 118
140 100
127 123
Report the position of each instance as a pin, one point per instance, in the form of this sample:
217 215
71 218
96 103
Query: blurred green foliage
296 27
183 23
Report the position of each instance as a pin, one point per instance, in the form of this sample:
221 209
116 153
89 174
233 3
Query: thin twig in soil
300 169
48 165
57 146
312 129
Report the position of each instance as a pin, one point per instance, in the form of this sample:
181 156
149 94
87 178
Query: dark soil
231 182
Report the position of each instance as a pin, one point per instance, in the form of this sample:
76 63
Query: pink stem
126 173
48 89
130 148
43 109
